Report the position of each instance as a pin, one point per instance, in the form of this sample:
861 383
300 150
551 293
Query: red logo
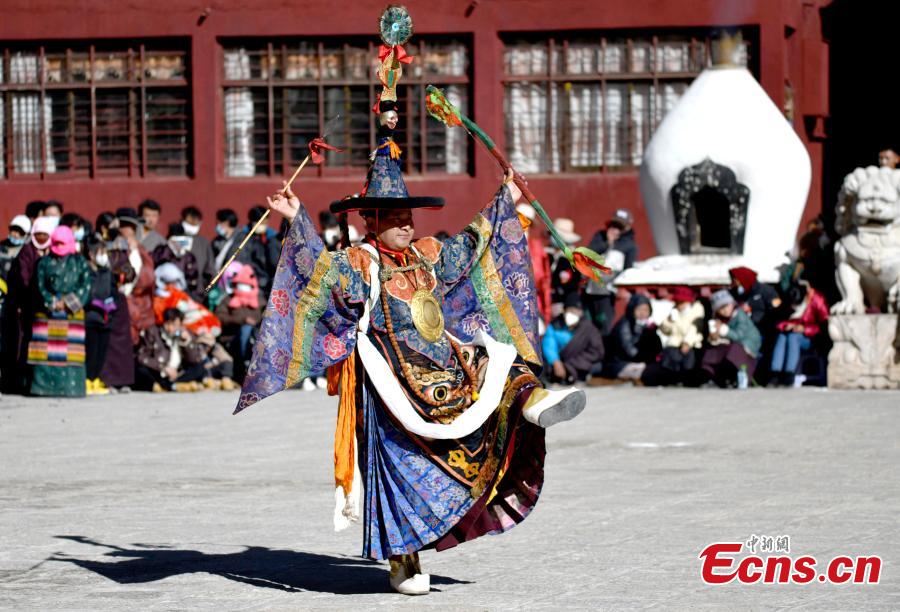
721 565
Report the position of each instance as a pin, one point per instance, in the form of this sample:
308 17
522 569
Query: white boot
406 577
546 408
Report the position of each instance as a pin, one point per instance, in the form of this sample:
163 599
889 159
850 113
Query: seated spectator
198 320
734 341
756 299
573 346
239 314
683 333
218 364
177 250
150 238
168 359
796 333
633 347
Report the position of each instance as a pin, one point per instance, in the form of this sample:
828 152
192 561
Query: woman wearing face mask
177 250
56 350
99 313
573 346
79 228
18 308
634 346
19 228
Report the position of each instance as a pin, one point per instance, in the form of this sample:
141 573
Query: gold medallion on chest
427 315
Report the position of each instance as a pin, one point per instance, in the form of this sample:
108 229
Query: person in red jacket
795 334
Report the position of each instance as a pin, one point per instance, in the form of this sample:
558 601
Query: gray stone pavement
166 502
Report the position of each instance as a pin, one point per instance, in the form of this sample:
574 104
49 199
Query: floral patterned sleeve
487 280
310 320
460 252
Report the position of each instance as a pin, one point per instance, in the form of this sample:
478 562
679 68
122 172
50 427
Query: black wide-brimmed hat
386 190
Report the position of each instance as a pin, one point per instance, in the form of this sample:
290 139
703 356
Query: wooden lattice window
117 109
590 102
279 95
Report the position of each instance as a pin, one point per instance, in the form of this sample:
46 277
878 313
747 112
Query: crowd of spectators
746 333
122 304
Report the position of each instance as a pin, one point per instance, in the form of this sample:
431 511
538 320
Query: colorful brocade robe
419 491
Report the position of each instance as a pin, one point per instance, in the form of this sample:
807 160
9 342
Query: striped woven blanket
57 342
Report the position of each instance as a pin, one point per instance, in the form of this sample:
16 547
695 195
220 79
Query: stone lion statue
868 253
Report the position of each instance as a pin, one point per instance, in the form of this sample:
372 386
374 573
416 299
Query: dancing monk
433 347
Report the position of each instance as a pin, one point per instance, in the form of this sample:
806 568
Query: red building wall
790 52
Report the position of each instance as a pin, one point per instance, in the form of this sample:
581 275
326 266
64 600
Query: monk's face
394 228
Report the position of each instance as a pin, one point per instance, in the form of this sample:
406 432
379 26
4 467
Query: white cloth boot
546 408
407 577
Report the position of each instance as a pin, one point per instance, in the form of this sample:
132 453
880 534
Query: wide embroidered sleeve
487 280
310 320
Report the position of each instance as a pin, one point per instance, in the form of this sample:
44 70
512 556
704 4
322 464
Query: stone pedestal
866 353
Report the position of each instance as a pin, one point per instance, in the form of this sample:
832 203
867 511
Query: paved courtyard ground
166 502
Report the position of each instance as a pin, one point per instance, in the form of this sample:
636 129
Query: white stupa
724 160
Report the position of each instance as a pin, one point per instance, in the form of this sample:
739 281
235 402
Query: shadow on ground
285 570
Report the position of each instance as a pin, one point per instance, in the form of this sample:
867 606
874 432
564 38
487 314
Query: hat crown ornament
385 188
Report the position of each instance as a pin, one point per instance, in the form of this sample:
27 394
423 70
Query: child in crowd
734 341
